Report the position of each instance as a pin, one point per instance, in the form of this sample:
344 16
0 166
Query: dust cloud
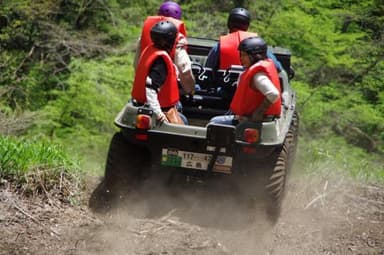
323 213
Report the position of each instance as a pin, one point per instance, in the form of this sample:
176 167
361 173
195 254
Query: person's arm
262 83
277 63
154 104
155 79
213 57
184 66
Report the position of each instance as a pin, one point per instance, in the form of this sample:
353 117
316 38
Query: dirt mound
320 216
39 224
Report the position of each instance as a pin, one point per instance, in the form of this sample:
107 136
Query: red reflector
251 135
249 150
141 137
143 121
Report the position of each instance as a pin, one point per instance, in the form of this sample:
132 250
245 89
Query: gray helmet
255 47
163 35
239 18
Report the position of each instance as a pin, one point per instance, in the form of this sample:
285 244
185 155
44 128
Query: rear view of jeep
257 156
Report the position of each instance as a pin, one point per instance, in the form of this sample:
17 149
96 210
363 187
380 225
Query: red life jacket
229 55
169 93
150 21
246 100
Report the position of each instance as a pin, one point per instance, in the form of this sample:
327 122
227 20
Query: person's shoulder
161 53
155 52
181 40
248 33
222 36
153 17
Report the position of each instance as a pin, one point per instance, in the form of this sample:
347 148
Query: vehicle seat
226 81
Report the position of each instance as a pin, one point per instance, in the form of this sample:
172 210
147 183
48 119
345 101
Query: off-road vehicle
255 155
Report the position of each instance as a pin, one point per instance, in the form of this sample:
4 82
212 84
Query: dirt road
321 215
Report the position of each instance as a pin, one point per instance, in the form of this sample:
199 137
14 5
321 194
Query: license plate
194 160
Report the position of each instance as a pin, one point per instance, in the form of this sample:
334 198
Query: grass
333 155
39 167
18 156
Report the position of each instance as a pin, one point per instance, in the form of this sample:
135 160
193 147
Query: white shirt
265 86
182 60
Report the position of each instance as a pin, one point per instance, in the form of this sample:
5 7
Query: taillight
143 121
251 135
141 137
249 150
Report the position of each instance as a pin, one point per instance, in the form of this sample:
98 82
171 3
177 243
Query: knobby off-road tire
292 141
126 162
275 185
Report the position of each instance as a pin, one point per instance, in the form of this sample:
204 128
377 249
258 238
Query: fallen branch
45 190
34 219
158 225
168 215
154 231
203 245
321 196
24 60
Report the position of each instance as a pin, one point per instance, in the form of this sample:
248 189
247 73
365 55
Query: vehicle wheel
126 163
100 199
275 184
282 163
291 140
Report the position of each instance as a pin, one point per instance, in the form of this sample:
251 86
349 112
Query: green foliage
82 115
371 83
92 96
329 108
38 40
19 156
40 167
319 48
71 62
334 156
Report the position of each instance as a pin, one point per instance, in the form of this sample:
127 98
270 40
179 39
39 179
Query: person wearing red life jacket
170 11
225 53
155 81
257 96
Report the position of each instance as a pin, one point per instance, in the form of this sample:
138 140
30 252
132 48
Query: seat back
226 81
203 76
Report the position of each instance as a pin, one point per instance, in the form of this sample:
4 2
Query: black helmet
239 18
163 35
255 47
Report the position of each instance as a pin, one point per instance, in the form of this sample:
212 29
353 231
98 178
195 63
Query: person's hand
257 116
241 118
162 118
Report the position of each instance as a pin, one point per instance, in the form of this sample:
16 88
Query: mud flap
220 140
